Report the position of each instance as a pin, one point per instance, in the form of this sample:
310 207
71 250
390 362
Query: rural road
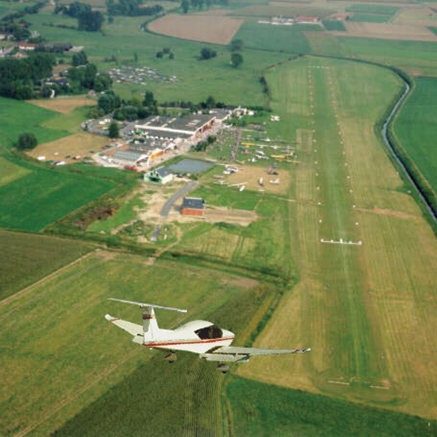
169 204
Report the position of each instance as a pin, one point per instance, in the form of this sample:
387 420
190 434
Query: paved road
169 204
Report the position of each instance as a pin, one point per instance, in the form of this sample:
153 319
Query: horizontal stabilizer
254 351
132 328
145 305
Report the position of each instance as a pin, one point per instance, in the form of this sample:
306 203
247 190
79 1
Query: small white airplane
199 336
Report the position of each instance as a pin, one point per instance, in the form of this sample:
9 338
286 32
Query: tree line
27 78
131 8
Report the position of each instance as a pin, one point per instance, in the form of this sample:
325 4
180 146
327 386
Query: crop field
289 39
257 409
415 57
40 196
334 25
367 310
213 28
26 258
368 28
373 9
416 128
71 355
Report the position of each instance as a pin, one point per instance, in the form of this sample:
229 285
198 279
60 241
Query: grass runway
367 311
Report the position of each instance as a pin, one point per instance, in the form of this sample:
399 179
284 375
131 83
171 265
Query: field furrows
68 355
359 306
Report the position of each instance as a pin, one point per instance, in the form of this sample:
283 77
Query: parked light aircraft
199 336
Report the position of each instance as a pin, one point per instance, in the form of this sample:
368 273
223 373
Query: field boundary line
52 275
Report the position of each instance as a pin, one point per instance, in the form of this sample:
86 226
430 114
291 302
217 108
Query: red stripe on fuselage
176 343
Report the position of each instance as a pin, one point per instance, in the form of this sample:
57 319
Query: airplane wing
132 328
242 354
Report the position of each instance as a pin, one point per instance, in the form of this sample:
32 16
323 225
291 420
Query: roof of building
187 124
163 171
193 203
127 155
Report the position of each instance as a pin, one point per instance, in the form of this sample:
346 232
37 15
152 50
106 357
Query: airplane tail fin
150 324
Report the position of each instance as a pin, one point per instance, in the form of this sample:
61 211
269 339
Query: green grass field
416 130
372 13
287 39
361 17
336 25
11 114
34 197
373 9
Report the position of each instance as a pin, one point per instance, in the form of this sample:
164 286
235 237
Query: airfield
256 263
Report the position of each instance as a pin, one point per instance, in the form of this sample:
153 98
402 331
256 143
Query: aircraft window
209 332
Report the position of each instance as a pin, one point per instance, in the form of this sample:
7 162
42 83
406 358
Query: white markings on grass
341 241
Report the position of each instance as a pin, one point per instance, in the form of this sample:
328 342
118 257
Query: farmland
71 363
415 128
337 257
45 195
27 258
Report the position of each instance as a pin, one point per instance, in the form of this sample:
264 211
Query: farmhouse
193 206
161 175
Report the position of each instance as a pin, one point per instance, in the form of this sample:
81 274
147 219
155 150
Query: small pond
188 165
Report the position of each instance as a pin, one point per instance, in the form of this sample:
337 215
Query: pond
188 165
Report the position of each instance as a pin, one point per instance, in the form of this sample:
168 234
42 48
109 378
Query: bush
26 141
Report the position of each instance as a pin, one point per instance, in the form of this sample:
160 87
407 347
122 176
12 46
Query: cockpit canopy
209 332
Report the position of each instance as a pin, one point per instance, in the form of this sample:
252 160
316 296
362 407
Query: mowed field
64 104
368 311
59 354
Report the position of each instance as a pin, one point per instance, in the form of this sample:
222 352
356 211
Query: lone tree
26 141
113 131
207 53
236 45
236 59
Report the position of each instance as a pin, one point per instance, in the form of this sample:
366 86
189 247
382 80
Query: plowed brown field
214 29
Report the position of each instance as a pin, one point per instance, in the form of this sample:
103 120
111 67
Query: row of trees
132 8
87 19
130 110
186 5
